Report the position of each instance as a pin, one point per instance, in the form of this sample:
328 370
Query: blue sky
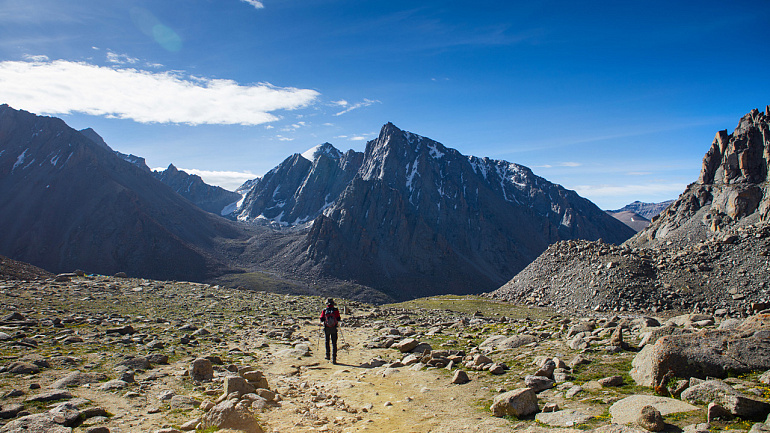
617 100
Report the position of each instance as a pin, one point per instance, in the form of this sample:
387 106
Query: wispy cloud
32 58
349 108
255 3
62 87
120 59
561 164
667 189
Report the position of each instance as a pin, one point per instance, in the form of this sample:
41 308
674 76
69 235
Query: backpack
330 321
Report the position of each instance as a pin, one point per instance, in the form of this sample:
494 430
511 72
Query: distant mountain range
411 216
637 215
406 217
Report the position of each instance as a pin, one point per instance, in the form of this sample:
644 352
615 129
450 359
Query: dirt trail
399 399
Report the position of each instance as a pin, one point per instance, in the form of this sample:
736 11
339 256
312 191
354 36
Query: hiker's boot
334 360
327 356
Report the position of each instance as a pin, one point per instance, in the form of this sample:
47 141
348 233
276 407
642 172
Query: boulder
722 394
538 383
78 378
51 395
706 353
460 377
239 385
231 414
202 370
37 423
406 345
650 419
611 381
519 403
629 409
501 342
563 418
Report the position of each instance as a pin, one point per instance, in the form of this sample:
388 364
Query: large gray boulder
711 353
716 391
37 423
502 342
630 408
519 402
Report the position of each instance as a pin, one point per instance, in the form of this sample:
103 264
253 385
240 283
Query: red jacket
335 313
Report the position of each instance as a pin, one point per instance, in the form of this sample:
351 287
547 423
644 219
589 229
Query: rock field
102 354
726 274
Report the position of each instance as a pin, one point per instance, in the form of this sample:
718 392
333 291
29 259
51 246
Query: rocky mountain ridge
646 210
69 202
413 216
210 198
708 251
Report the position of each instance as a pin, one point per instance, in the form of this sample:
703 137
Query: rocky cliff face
417 218
707 252
207 197
731 190
301 187
67 202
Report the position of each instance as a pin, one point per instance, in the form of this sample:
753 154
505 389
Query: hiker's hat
330 301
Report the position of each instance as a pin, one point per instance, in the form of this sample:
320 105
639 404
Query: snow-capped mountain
299 188
412 217
68 202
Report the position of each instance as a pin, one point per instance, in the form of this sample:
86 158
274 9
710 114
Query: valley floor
121 352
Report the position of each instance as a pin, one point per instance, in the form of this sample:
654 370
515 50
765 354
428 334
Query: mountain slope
66 202
301 187
707 252
631 219
417 218
646 210
190 186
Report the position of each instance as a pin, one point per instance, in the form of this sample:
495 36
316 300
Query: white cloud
255 3
561 164
357 138
120 59
32 58
667 189
341 103
229 180
62 87
364 103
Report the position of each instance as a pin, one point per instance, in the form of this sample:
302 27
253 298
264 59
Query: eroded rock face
731 185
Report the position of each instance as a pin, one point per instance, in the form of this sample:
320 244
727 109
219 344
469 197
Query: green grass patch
471 304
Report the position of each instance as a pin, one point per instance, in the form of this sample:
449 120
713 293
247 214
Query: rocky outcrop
732 188
707 252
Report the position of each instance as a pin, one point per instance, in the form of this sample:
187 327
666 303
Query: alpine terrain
411 217
708 251
67 202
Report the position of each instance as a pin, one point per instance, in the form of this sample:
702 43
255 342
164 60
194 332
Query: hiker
330 319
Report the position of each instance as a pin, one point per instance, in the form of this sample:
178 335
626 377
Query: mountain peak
322 149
